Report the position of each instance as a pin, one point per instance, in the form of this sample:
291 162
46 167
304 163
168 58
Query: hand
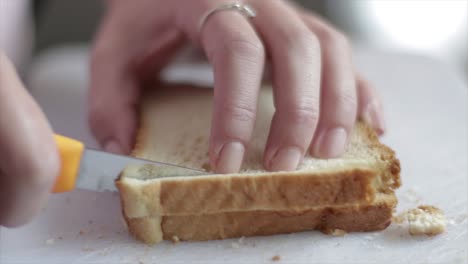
29 159
318 93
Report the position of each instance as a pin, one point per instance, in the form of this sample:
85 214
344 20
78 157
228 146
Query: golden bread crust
359 218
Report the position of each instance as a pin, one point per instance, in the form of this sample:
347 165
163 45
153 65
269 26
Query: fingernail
113 147
373 116
230 158
332 143
286 159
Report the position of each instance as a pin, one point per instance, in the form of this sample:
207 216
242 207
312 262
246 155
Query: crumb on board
100 237
141 262
423 220
338 232
333 232
276 258
50 241
59 238
104 252
81 232
234 245
241 240
399 219
175 239
87 249
90 222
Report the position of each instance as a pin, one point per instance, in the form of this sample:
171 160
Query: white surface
426 109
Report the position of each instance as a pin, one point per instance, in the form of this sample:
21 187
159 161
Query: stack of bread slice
352 193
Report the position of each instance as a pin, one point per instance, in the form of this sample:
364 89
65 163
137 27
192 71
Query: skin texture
318 94
29 159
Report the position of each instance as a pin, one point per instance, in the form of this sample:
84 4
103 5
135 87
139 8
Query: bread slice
174 128
351 218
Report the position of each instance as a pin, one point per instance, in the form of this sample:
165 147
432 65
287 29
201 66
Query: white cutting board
426 107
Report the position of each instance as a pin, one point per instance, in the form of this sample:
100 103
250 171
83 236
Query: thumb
29 159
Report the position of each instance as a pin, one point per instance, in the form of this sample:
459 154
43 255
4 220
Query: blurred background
434 28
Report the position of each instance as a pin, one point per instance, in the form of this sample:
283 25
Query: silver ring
244 9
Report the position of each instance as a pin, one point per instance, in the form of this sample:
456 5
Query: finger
30 160
339 98
295 58
117 70
237 56
370 106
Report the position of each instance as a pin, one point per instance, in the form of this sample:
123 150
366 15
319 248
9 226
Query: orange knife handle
70 153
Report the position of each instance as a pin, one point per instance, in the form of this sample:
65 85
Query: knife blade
96 170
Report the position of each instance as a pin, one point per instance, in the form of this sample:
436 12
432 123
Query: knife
91 169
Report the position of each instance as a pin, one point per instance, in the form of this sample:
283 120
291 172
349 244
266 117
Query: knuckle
305 116
301 40
334 37
346 100
239 112
304 113
247 46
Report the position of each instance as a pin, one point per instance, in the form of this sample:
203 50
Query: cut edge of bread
356 218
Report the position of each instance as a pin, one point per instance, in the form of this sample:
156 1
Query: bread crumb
81 232
276 258
399 219
141 262
100 236
90 222
234 245
87 249
198 140
338 232
424 220
175 239
104 252
59 238
241 240
206 166
50 241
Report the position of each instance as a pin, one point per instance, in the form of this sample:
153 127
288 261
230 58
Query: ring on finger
245 9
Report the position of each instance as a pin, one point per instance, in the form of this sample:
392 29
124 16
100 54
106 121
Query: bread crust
357 218
219 193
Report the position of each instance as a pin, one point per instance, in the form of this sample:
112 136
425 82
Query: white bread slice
174 128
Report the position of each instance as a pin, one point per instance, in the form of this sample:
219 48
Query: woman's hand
318 94
29 160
